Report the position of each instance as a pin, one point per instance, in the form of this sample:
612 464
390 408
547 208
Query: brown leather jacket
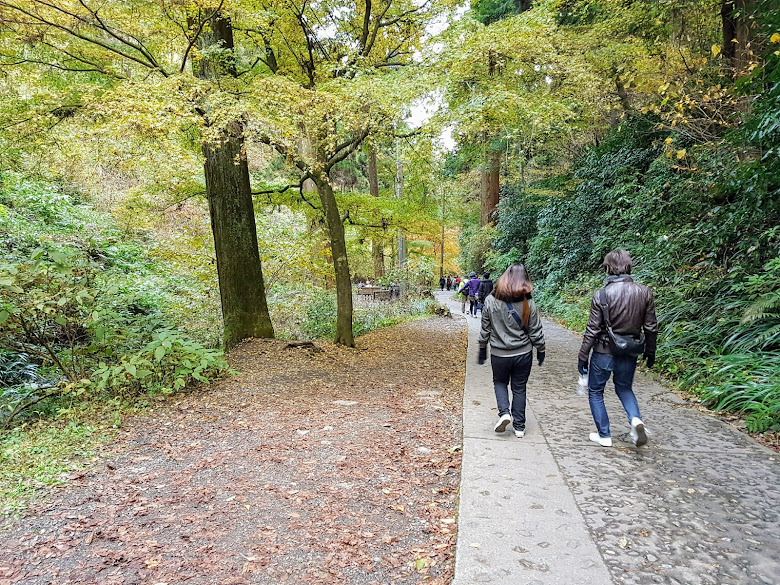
631 309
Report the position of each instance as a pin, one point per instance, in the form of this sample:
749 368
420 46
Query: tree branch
350 221
138 45
346 150
20 407
298 186
74 33
366 27
370 45
194 38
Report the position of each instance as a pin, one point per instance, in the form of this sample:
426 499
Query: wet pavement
698 505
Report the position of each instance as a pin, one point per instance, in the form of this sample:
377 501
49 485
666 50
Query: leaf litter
313 465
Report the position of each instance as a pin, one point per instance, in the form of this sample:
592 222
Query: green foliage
745 383
168 363
488 11
703 233
75 307
32 456
476 246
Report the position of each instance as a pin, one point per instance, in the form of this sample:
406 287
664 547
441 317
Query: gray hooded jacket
505 336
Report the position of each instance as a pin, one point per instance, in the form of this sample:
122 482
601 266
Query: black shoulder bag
621 344
516 317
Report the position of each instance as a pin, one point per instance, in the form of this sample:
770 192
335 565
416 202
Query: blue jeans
517 369
622 369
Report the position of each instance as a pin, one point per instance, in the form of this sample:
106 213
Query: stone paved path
699 505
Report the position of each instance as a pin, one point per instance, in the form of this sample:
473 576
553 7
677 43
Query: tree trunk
399 193
338 244
241 286
490 187
377 246
737 22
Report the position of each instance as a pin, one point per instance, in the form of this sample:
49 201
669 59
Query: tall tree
738 22
229 193
377 243
329 83
115 51
490 186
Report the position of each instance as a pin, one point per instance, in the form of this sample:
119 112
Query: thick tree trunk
241 286
377 246
338 244
491 172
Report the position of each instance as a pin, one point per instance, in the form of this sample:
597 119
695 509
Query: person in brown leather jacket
631 313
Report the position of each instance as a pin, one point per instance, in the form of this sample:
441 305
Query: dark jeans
517 369
622 369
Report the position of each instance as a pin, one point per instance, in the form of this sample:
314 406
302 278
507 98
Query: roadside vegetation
686 177
97 323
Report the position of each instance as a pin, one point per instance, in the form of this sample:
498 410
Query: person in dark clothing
442 283
485 288
449 283
511 324
631 312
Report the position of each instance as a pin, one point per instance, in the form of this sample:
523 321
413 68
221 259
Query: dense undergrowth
96 322
704 230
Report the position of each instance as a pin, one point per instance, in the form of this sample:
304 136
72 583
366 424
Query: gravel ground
312 465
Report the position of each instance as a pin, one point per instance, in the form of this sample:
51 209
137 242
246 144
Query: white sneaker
638 432
603 441
519 434
502 423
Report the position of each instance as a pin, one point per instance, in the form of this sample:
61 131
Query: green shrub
168 363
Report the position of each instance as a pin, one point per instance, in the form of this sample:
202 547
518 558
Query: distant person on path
485 288
630 310
457 282
511 324
471 288
463 294
442 282
449 283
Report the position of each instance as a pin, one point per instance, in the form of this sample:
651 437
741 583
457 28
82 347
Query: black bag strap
516 317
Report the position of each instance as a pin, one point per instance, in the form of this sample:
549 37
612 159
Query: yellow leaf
775 38
669 140
715 50
681 154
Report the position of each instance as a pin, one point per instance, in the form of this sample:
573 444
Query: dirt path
320 465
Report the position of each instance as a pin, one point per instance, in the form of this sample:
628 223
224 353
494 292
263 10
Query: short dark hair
618 262
487 275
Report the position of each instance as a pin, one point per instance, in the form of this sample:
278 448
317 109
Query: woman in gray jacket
511 324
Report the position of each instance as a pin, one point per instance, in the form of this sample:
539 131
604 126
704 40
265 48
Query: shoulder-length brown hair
514 284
